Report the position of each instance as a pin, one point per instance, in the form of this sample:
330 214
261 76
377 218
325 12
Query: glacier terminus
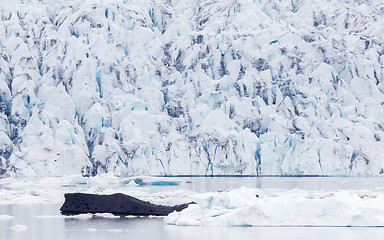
172 87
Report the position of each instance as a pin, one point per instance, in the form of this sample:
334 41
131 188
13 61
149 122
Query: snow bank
251 207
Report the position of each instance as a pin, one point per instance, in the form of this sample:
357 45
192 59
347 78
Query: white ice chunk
246 207
19 227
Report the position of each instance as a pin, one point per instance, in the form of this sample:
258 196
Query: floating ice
50 216
105 215
251 207
91 230
6 217
147 180
19 227
51 190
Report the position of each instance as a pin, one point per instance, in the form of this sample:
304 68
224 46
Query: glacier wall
262 87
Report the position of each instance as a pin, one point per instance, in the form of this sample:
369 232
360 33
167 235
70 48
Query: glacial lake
38 221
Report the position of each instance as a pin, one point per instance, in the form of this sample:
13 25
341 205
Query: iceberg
292 208
147 180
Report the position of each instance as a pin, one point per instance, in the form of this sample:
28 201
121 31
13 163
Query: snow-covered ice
252 207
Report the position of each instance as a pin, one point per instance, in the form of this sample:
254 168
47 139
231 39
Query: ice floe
252 207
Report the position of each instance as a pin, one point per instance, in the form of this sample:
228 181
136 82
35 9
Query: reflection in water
37 228
145 228
120 228
255 233
43 221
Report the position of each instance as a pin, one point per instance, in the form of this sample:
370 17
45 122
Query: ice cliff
241 87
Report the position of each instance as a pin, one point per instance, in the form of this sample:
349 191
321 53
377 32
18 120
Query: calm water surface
43 221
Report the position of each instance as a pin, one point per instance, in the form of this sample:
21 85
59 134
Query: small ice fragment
106 215
146 180
35 192
80 216
19 228
6 217
49 216
132 184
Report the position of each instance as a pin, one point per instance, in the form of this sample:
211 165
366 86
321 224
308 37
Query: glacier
232 87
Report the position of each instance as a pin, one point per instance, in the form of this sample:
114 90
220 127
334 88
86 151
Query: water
43 221
285 183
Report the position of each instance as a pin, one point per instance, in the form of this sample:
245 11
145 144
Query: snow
293 208
191 88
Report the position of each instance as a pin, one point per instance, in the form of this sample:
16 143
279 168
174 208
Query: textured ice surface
207 87
251 207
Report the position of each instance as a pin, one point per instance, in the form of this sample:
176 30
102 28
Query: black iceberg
118 203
